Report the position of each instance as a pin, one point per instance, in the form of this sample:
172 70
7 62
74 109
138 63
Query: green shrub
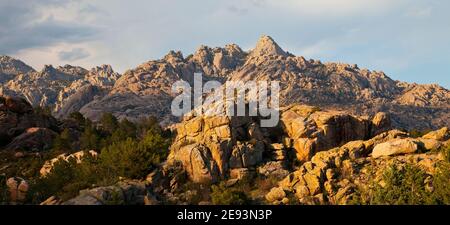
90 138
77 116
109 122
409 185
402 186
125 149
441 187
133 159
222 195
63 142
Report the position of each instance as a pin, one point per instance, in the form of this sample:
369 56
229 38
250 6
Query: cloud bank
408 39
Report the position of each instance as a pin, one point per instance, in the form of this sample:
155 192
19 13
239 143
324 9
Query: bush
109 122
133 159
409 185
222 195
43 111
402 186
90 137
127 150
77 116
63 142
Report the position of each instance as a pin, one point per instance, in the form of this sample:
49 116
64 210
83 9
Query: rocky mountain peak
12 66
267 46
73 70
48 68
174 56
102 70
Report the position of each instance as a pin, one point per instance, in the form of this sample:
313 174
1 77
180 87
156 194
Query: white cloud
329 8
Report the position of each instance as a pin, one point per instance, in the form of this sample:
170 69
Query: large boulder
381 122
198 162
430 144
313 130
395 147
275 194
18 189
442 134
128 192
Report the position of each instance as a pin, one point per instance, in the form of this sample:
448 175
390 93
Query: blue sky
407 39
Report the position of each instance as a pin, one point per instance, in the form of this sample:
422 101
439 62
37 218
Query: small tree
109 122
77 116
89 139
63 142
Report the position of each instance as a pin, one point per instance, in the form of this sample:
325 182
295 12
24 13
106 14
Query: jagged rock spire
267 46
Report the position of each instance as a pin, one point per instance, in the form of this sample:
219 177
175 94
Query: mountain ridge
328 85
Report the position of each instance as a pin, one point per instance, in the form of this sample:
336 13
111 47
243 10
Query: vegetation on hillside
126 149
410 185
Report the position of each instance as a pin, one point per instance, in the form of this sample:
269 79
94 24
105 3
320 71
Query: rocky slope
314 156
149 85
336 176
329 85
340 175
64 89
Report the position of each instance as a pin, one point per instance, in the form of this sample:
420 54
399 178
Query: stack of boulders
209 147
332 176
215 147
311 130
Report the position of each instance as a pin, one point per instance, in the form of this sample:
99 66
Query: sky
407 39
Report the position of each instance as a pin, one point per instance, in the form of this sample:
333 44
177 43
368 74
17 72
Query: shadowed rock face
146 89
20 124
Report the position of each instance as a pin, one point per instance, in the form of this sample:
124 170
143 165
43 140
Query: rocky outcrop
312 130
442 134
33 139
127 192
10 68
208 147
77 156
18 189
17 116
395 147
65 89
333 176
